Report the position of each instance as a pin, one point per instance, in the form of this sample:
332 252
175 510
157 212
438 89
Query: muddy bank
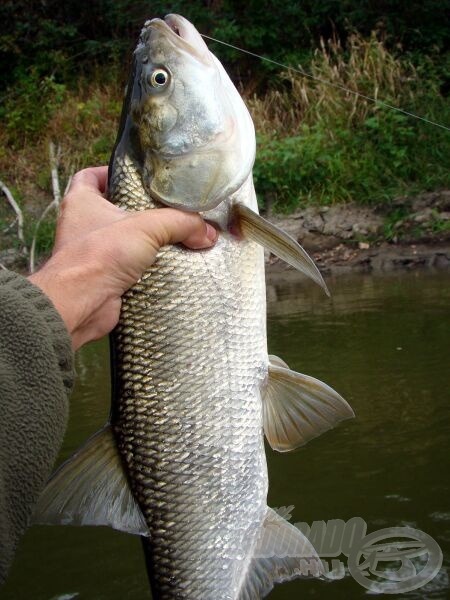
378 258
410 233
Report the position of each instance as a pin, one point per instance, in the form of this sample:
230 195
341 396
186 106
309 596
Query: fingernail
211 232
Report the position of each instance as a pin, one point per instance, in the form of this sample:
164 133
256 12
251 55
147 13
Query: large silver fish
182 461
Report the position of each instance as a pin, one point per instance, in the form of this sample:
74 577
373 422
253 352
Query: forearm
36 377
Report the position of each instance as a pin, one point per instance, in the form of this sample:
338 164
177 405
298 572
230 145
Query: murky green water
384 343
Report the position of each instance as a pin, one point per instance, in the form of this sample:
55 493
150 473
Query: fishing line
14 93
330 83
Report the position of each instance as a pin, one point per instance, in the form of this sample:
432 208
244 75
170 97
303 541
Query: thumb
165 226
135 240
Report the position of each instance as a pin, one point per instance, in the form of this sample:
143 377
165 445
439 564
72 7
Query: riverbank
383 257
410 233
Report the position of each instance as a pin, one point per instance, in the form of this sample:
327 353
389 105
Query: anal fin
298 408
91 488
256 228
282 553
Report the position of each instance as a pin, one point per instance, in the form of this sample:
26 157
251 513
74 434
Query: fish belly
190 358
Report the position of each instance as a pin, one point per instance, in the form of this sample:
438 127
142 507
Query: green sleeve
36 378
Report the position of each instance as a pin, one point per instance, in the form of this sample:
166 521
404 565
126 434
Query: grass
320 144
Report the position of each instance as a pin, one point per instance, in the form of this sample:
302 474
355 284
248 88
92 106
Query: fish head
196 136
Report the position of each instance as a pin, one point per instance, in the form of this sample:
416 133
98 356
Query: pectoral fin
298 408
91 488
254 227
282 553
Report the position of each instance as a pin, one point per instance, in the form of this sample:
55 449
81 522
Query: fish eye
159 78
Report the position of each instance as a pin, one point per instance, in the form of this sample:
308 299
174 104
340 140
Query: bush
27 111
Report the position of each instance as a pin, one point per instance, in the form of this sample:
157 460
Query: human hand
101 250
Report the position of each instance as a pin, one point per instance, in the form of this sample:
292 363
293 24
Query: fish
182 461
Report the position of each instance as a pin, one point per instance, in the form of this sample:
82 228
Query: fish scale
188 414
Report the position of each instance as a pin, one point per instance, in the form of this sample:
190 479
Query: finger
84 201
170 226
92 177
202 239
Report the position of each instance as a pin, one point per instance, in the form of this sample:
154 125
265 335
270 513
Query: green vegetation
45 235
401 223
65 64
66 39
320 144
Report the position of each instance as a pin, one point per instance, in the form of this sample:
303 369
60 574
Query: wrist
66 289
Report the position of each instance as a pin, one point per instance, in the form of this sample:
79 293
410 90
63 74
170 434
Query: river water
383 343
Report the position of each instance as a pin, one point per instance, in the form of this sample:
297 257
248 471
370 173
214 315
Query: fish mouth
176 24
181 33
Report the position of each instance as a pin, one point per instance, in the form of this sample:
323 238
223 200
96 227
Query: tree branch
54 164
54 155
53 204
19 214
